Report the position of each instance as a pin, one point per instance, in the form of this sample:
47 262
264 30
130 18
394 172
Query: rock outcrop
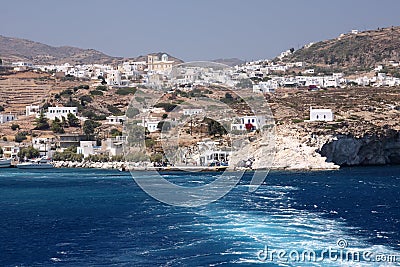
366 150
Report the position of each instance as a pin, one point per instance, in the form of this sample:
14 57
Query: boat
5 163
40 163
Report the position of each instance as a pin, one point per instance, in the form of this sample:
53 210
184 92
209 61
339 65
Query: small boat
5 163
40 163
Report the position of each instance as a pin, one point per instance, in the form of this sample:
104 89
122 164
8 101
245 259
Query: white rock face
299 152
291 151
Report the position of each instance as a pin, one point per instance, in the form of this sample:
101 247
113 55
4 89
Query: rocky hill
352 51
229 61
16 49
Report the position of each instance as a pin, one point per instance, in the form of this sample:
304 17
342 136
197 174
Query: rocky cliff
367 150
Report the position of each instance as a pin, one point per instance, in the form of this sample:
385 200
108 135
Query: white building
265 87
44 145
113 77
114 146
192 111
150 124
10 152
7 117
210 153
86 148
321 114
32 110
59 112
252 123
116 119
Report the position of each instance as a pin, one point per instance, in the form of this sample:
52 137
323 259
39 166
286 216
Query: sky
192 30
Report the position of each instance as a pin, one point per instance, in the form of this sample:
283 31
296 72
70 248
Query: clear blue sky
192 30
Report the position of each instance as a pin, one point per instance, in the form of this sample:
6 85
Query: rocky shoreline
122 166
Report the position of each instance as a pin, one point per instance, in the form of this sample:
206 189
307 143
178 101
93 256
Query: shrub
83 86
126 91
101 88
68 154
114 110
21 136
14 127
297 120
90 114
96 92
1 108
168 107
86 98
28 152
66 93
115 132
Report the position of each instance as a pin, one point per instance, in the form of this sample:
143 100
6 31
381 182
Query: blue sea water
86 217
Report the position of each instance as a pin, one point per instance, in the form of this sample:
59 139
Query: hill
361 51
16 49
230 61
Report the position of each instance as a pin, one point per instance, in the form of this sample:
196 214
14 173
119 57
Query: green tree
1 108
1 151
28 152
214 127
21 136
42 122
14 127
73 121
115 132
68 154
89 126
56 126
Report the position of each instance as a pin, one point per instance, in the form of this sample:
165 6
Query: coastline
122 166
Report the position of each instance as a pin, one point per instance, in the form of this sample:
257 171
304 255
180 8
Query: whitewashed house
10 152
32 110
331 82
59 112
7 117
114 145
265 87
210 153
113 77
44 145
116 119
252 123
321 114
150 123
192 111
87 148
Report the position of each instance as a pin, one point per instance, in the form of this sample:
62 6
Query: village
74 133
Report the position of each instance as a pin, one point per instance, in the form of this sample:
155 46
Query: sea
89 217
